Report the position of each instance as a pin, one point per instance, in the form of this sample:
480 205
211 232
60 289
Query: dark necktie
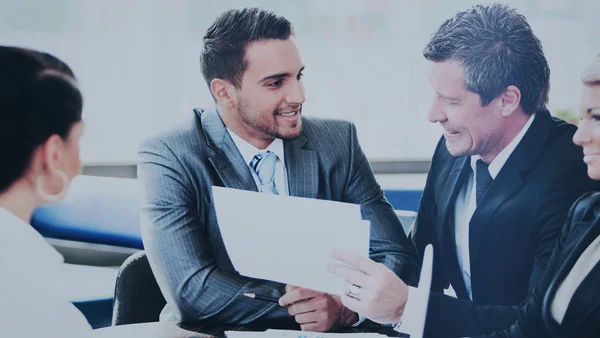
483 179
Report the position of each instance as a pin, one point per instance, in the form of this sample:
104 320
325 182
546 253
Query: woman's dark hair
38 98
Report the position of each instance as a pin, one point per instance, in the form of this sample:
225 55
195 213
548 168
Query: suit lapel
454 183
224 155
509 180
302 166
583 303
587 294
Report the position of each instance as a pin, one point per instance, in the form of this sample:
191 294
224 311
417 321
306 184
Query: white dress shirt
31 287
464 209
584 265
248 152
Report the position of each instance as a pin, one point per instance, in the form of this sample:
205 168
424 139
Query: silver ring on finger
354 291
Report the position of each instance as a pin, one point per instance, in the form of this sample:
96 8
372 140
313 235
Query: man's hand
316 311
381 295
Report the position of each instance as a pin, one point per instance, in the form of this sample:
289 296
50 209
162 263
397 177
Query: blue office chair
97 210
404 199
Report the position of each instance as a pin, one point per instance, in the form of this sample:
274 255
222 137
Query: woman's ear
52 153
50 180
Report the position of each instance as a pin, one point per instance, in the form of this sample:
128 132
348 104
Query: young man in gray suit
255 138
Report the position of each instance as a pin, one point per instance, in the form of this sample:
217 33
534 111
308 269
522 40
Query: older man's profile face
469 128
271 96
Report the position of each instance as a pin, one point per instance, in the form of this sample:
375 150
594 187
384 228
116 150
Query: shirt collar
503 156
248 151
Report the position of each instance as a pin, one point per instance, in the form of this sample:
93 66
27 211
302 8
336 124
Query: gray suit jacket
179 226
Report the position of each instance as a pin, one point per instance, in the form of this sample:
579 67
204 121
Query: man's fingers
362 263
290 288
302 306
297 295
364 296
354 304
309 317
348 274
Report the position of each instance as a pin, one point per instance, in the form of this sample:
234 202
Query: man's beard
266 126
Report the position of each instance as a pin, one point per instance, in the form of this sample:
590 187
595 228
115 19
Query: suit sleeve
571 183
175 239
388 242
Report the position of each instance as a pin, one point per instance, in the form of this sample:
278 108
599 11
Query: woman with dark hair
40 128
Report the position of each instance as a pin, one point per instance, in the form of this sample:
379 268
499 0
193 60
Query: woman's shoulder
586 208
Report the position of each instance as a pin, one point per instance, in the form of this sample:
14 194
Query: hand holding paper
375 292
317 311
382 295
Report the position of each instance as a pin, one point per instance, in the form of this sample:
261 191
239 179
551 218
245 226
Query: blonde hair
591 73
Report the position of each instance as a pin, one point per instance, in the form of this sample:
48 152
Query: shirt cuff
360 320
411 310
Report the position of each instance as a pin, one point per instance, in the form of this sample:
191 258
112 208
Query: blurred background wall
137 62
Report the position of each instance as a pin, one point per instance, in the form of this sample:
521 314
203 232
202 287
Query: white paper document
413 320
417 326
297 334
288 239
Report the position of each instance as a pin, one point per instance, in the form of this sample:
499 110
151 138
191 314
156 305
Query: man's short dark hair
225 41
497 48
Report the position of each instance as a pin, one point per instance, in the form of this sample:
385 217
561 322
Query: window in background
137 62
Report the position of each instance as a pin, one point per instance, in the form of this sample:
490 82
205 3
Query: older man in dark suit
253 139
501 181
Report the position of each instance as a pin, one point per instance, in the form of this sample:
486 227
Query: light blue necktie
264 167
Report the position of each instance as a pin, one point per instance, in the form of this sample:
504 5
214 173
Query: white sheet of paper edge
423 294
288 239
295 334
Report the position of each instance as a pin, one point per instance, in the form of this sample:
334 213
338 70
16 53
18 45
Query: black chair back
137 296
